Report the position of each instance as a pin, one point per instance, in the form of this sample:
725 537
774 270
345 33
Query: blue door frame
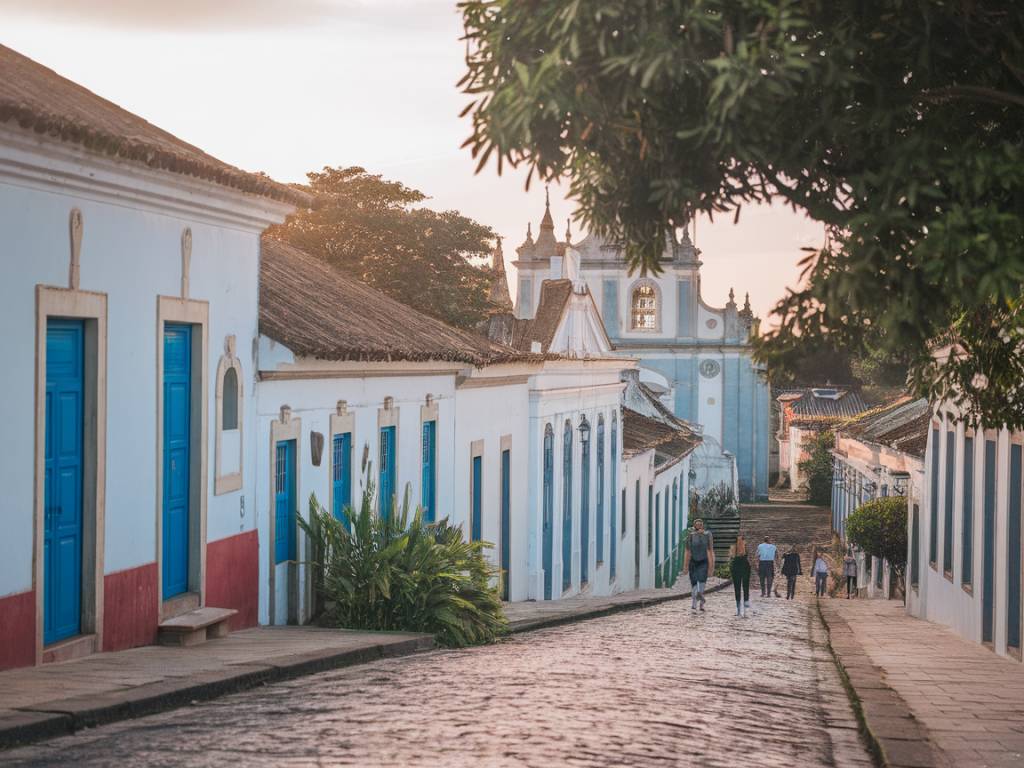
62 505
284 502
177 458
506 521
988 544
548 502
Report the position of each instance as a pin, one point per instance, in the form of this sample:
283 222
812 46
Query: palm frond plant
402 574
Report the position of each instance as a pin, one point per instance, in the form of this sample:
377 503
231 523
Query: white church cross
74 269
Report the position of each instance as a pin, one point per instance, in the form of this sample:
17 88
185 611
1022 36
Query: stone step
195 627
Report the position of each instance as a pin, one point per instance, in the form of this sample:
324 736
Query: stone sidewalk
54 699
928 697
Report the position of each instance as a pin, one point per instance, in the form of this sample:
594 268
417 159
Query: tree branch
974 92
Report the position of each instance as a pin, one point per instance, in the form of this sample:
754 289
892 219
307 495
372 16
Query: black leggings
851 581
739 569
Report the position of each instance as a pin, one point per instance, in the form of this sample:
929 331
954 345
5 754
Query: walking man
766 565
791 569
698 562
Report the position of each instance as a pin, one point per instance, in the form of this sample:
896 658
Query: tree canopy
899 125
368 226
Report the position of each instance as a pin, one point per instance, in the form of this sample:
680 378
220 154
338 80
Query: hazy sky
288 86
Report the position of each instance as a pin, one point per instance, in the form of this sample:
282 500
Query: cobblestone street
660 686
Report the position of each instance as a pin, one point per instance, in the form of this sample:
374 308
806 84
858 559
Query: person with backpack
699 561
791 568
850 572
820 575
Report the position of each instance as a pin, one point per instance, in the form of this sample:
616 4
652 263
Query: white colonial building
965 538
128 298
187 386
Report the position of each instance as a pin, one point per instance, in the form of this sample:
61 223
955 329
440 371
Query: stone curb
895 737
606 609
22 726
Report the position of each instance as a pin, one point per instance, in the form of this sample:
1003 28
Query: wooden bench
195 627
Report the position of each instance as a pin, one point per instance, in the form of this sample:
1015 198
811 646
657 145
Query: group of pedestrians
699 561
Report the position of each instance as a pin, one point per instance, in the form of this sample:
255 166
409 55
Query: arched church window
645 308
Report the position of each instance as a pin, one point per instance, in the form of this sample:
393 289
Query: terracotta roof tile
318 311
901 424
39 100
554 295
641 433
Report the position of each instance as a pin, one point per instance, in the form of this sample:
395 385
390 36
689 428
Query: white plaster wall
132 252
946 601
488 414
313 401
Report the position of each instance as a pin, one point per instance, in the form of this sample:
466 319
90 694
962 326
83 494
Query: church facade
696 356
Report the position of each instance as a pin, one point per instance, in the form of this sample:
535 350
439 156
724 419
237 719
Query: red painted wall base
130 614
18 630
232 577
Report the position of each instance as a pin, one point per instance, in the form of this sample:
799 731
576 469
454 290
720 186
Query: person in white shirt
820 575
766 565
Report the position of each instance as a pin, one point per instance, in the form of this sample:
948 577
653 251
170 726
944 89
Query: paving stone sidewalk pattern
920 682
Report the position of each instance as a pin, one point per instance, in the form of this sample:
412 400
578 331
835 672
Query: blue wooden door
477 516
62 505
585 510
506 521
342 478
284 501
567 507
1013 552
177 457
549 507
657 540
429 480
989 543
387 471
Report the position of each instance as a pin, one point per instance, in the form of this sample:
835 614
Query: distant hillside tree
373 229
817 467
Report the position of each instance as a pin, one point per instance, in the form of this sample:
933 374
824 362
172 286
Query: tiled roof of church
37 99
554 295
901 424
316 310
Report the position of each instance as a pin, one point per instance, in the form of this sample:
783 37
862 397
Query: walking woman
791 569
850 572
739 569
698 562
